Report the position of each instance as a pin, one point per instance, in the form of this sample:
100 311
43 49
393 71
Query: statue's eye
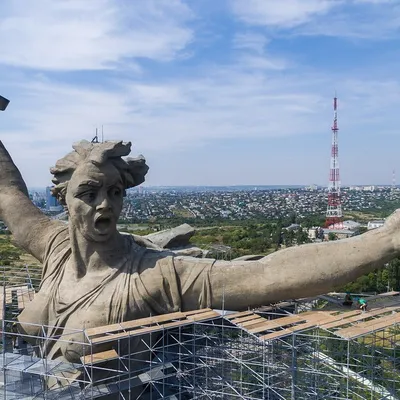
89 196
115 191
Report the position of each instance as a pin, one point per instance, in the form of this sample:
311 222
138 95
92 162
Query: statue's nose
103 203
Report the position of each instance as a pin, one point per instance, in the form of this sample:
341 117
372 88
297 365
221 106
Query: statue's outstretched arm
303 271
296 272
29 226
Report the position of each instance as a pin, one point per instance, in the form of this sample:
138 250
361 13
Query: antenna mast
394 180
96 138
334 210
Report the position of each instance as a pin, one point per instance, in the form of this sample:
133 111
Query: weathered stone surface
190 251
94 276
171 238
144 242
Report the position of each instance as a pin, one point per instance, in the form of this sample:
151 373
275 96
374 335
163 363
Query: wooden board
202 310
238 314
252 323
365 325
347 314
320 317
244 319
302 321
91 332
134 323
155 328
360 317
275 335
374 321
301 327
288 331
356 331
370 325
99 357
277 323
203 316
9 297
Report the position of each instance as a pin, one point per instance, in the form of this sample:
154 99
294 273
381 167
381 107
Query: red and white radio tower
334 210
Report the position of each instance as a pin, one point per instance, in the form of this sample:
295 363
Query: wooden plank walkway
23 293
99 357
364 328
280 327
238 314
127 325
361 316
144 326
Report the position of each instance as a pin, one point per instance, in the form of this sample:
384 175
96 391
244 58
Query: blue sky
212 92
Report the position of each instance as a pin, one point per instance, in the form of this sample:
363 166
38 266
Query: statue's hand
392 226
10 177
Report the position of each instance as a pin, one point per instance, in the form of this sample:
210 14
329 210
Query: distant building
375 224
316 233
293 227
52 204
340 233
312 187
352 225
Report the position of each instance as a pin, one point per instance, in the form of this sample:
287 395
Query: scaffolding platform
293 352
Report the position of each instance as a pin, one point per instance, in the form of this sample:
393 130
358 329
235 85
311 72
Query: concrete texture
94 276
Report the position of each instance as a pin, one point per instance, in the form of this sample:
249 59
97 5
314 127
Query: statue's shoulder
155 259
158 255
143 242
58 240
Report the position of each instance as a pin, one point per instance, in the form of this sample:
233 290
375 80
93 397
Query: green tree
332 236
302 237
288 237
8 253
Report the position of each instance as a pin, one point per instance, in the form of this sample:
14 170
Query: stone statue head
91 182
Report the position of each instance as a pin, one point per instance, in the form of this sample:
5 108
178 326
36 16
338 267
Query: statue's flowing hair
132 170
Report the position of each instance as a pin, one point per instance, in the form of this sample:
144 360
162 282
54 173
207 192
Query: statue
94 276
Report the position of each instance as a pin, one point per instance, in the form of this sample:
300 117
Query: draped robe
145 282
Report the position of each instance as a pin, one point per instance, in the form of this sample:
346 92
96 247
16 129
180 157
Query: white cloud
378 2
225 102
265 62
90 34
170 116
167 119
252 53
360 19
255 42
281 13
254 91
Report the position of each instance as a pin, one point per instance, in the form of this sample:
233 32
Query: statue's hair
132 170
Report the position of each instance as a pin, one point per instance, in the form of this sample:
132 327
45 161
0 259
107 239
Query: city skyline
221 93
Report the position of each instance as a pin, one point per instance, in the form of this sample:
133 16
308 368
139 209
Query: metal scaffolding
277 352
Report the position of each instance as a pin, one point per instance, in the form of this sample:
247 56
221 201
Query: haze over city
211 92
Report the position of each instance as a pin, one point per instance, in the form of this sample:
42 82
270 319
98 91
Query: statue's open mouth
103 223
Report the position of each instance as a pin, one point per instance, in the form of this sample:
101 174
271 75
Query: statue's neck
91 257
